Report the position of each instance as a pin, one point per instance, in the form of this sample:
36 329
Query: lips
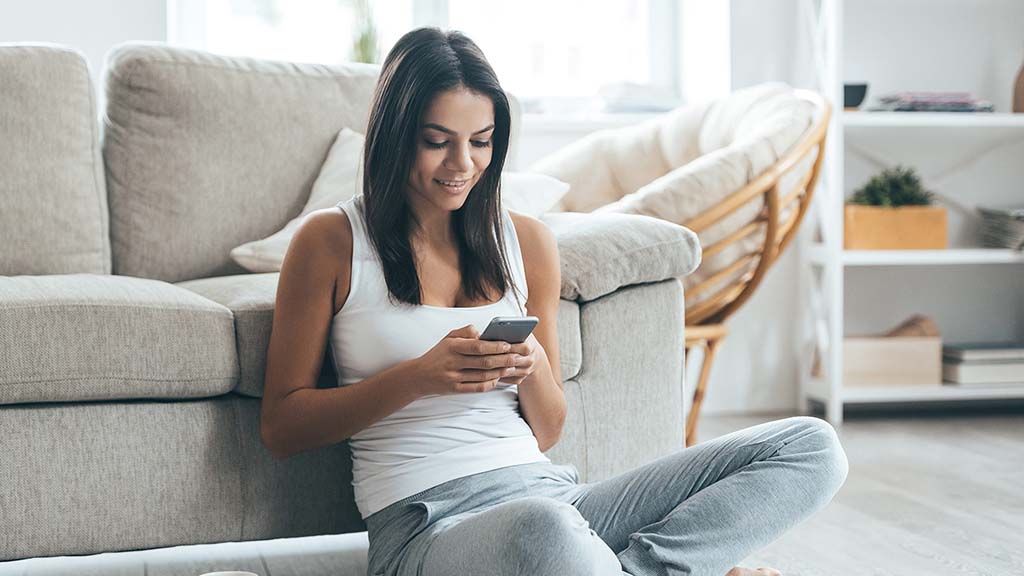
452 185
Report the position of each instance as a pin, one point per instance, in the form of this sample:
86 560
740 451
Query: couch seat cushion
250 297
75 337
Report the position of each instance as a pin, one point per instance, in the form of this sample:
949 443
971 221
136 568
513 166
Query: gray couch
132 347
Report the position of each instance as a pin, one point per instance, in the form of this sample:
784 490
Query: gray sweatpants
698 511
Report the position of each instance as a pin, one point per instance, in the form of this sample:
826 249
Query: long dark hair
422 64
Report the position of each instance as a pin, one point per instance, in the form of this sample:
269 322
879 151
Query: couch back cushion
54 198
207 152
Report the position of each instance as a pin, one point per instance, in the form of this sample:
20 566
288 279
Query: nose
460 159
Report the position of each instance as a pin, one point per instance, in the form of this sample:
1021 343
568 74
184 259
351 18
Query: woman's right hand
461 363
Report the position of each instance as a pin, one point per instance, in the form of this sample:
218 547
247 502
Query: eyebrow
448 131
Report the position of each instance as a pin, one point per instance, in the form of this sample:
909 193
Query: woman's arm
541 398
295 416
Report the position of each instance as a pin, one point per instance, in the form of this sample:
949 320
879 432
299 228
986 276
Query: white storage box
892 361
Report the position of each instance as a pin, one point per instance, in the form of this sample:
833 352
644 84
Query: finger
479 347
484 375
467 331
490 361
522 349
476 386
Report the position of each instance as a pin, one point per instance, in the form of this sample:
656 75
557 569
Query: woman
448 431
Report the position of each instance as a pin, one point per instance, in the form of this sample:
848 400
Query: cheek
427 162
482 159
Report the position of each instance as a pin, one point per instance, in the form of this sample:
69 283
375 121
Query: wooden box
892 361
903 228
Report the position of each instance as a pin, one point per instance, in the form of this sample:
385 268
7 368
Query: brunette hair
422 64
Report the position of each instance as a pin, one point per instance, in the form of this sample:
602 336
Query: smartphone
511 329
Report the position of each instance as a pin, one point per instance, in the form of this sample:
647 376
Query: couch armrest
601 253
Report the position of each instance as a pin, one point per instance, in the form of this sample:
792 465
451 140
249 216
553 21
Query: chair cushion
742 136
81 337
606 165
251 297
52 187
601 253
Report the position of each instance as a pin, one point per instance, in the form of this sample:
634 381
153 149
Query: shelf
881 394
952 256
932 120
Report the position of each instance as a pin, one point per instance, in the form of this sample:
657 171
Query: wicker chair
769 141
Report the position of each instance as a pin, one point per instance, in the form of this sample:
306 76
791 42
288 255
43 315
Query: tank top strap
514 254
353 207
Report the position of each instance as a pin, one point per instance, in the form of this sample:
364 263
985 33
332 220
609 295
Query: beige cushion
206 152
601 253
77 337
250 297
52 189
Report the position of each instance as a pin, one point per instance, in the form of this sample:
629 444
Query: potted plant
893 211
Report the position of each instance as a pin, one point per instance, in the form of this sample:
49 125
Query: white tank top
436 438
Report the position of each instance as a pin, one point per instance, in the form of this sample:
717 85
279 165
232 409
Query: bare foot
740 571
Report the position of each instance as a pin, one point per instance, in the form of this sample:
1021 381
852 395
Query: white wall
92 27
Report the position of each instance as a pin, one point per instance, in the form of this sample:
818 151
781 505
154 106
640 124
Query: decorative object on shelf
853 95
908 355
917 325
893 211
1002 227
983 363
931 102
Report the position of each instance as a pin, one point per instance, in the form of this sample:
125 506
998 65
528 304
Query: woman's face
453 148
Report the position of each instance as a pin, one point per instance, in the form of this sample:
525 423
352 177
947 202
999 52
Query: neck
434 227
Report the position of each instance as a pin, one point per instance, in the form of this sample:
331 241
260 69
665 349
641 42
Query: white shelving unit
967 159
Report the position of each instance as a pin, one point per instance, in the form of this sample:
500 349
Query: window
569 55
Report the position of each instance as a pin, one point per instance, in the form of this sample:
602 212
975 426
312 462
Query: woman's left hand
529 352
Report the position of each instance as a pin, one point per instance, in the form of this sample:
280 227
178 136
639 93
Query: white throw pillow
340 179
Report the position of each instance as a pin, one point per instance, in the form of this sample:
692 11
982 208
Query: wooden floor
927 494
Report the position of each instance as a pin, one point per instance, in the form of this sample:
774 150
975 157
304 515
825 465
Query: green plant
364 48
899 186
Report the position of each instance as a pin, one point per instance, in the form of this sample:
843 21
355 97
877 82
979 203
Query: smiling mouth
454 185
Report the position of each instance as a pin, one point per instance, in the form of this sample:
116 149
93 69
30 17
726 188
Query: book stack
1002 227
931 102
983 363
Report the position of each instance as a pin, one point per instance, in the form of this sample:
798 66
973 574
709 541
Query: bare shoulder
540 254
535 239
324 234
322 246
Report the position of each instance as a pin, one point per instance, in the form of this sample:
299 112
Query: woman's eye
476 143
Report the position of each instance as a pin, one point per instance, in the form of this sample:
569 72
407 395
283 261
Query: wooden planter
903 228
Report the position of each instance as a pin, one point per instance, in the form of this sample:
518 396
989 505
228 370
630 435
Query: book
984 373
983 351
